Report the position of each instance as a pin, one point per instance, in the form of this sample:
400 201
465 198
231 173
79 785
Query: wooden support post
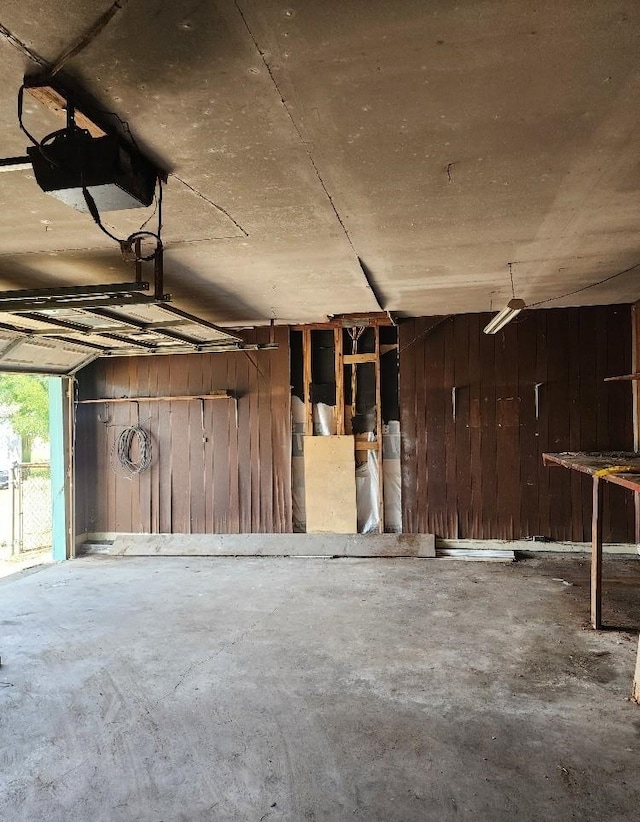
596 556
379 432
636 680
339 368
635 387
353 373
308 408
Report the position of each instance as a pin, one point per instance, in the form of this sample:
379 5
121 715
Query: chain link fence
29 490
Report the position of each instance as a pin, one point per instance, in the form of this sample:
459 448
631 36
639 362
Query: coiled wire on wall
122 450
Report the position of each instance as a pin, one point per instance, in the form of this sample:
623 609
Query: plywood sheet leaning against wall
330 485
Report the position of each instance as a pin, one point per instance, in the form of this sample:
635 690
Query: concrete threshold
300 545
331 545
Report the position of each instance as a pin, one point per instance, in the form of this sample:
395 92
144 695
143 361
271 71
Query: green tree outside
24 402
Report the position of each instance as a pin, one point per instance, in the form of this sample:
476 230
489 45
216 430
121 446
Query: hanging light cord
575 291
129 243
586 287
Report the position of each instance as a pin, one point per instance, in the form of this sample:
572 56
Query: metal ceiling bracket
15 164
75 296
72 291
158 272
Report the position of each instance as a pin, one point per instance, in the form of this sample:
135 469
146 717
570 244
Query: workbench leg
596 556
636 680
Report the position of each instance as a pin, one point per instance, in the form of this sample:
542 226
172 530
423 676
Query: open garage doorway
31 434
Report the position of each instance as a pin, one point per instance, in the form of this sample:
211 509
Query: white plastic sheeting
368 489
324 420
368 492
392 477
297 465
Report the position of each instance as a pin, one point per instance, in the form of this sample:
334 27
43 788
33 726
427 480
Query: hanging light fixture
511 310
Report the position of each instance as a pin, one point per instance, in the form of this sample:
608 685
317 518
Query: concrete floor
185 690
21 562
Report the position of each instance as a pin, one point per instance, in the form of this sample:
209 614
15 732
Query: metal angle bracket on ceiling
76 296
15 164
88 296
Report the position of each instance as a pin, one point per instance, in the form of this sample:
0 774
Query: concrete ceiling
437 142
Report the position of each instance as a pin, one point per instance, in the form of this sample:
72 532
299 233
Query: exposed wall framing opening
344 378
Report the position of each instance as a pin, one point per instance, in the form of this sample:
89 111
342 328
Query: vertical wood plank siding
480 475
207 474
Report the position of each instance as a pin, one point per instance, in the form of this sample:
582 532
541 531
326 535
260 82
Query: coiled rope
123 449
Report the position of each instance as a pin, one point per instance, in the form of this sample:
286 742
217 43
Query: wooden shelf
622 377
222 396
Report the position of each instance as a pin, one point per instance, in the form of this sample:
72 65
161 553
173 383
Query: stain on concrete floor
180 690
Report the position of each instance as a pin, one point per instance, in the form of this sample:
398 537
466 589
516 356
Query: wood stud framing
379 431
308 408
351 361
339 366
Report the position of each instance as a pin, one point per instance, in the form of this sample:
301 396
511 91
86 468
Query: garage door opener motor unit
71 162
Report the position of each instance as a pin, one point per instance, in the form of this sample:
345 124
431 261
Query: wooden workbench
618 467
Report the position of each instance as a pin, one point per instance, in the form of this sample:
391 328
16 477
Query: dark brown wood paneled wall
478 473
208 475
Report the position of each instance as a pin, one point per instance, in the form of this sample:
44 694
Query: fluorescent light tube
511 310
